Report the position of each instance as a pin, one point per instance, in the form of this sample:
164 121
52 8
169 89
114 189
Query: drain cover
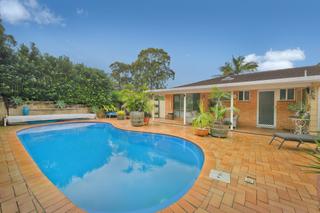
220 175
250 180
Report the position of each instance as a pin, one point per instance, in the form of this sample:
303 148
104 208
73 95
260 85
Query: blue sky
199 35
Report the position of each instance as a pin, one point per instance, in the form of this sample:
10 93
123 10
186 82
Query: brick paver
281 185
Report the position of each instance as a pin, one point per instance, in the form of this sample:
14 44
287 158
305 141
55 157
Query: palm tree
237 66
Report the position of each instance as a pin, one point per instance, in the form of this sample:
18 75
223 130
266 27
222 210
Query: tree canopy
238 65
27 73
150 69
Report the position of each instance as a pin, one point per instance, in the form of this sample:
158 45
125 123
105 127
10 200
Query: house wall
314 102
247 109
168 104
204 98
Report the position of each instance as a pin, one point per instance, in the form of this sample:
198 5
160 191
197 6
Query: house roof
259 76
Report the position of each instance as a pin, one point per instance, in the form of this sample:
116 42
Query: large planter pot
220 130
201 132
137 118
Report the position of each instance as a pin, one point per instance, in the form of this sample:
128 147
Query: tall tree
237 66
152 68
7 42
121 73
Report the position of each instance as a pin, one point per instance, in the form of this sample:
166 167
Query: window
286 94
244 96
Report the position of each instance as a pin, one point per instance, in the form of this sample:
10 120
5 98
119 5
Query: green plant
203 119
16 101
301 110
315 166
219 110
138 101
121 113
109 108
95 109
60 104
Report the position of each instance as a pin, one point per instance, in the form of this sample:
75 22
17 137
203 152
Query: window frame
244 95
286 94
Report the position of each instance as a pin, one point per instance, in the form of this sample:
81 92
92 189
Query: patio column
185 109
153 107
231 110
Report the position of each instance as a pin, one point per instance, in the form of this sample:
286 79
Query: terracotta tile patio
280 186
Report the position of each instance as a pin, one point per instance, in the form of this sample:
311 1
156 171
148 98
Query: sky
199 35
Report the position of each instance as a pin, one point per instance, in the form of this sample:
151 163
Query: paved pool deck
280 186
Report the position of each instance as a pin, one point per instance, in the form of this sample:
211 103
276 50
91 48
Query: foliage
203 119
237 66
137 101
301 110
95 109
315 166
152 68
31 75
16 101
60 104
121 113
219 110
109 108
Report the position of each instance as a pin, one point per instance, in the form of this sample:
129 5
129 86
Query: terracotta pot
146 121
220 130
201 132
137 118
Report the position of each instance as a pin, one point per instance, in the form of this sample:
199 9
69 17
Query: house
262 98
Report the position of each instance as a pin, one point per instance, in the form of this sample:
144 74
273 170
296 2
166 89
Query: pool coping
51 198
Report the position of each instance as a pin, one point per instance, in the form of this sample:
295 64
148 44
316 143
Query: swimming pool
101 168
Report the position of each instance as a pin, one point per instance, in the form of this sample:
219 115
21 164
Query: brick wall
168 103
247 109
283 114
204 98
313 102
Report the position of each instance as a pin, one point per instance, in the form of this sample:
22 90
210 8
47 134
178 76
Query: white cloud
81 11
280 59
17 11
13 11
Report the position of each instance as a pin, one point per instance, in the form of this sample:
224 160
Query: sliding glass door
178 104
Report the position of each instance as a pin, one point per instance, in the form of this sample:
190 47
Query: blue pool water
104 169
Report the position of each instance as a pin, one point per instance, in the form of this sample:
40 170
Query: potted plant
136 103
121 115
201 122
98 111
220 127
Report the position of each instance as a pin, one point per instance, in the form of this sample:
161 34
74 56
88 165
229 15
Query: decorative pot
25 110
146 121
137 118
220 130
201 132
101 114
